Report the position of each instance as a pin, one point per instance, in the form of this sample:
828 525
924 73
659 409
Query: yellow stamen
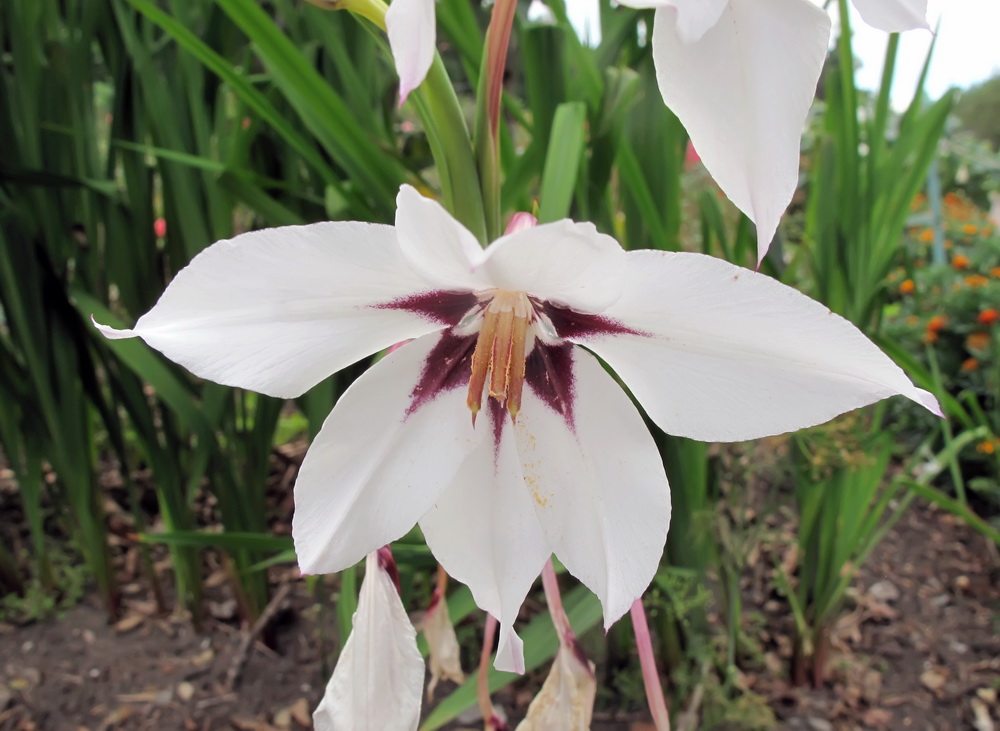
500 352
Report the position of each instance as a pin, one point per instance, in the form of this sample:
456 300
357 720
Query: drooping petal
694 17
597 484
412 32
442 645
383 456
743 91
566 700
378 681
484 532
893 16
729 354
278 310
436 245
565 262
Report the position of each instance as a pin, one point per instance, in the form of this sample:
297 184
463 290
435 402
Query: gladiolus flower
379 678
740 75
442 644
494 429
988 316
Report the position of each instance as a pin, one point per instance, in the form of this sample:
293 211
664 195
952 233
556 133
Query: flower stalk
650 673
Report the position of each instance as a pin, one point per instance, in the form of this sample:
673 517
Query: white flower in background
442 644
554 457
379 679
741 76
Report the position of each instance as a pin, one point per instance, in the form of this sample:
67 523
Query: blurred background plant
140 132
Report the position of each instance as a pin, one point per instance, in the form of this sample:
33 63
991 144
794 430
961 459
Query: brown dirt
918 648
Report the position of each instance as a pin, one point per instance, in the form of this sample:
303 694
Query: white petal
412 32
743 92
694 17
732 354
484 532
893 15
442 646
278 310
599 489
374 469
436 245
564 262
566 700
379 677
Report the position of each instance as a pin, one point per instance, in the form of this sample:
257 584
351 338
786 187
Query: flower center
501 350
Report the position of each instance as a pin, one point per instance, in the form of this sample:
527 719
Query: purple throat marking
445 308
570 324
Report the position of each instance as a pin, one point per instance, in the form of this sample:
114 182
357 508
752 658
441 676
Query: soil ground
918 647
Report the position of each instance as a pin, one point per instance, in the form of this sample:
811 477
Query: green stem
447 133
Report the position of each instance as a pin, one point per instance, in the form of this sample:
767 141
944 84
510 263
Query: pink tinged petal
743 92
520 221
484 532
278 310
732 354
412 32
379 678
442 645
893 15
436 245
564 262
392 444
694 17
596 483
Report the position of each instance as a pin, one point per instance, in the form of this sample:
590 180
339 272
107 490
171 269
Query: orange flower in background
986 447
952 199
907 286
960 261
995 272
969 365
978 341
926 236
977 280
918 202
988 316
970 229
912 320
936 323
933 326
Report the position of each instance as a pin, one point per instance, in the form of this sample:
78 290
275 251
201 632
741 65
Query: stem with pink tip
491 722
650 674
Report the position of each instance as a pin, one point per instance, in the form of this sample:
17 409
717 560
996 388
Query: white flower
379 678
741 76
711 351
442 644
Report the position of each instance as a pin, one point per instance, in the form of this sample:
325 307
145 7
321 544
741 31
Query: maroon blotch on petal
447 366
569 324
446 308
548 372
388 564
498 415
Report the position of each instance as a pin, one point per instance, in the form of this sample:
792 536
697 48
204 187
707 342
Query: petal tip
929 402
113 333
510 652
